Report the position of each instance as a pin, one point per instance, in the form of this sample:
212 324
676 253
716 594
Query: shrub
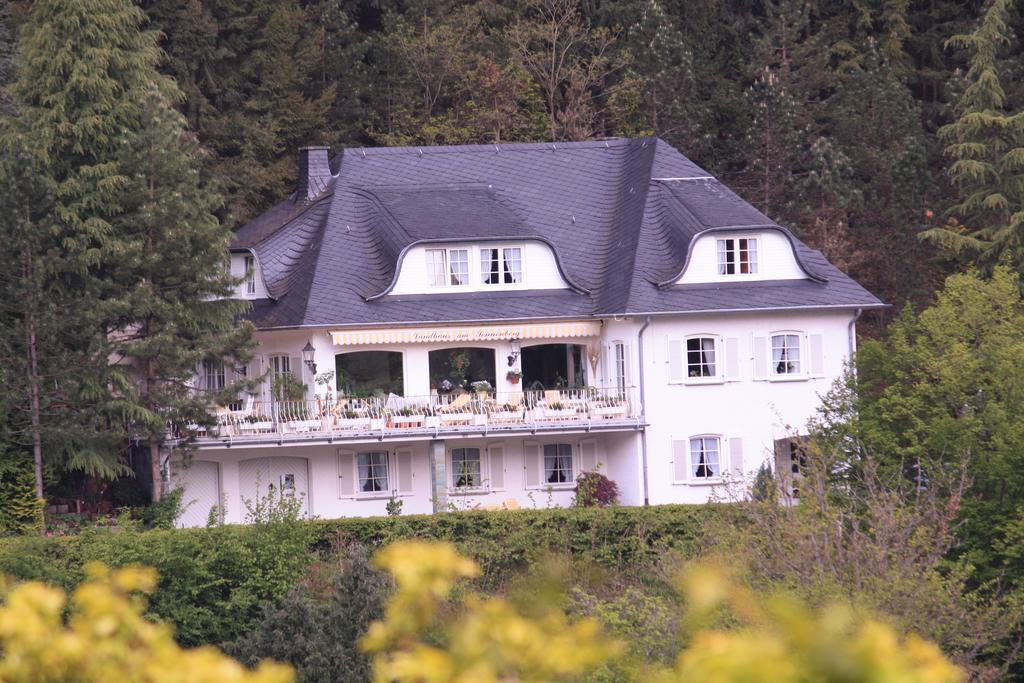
492 639
317 626
593 489
105 637
20 510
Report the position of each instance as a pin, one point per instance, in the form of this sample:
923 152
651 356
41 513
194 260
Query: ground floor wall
360 479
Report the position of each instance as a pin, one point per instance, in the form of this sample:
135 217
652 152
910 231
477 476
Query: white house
627 312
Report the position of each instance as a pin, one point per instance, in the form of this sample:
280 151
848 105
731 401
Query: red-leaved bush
593 489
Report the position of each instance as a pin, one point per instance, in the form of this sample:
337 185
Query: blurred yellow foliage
105 637
486 639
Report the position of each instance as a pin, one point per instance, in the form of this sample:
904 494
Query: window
280 365
466 468
785 354
704 452
558 463
502 266
447 267
250 275
213 375
737 256
700 357
620 369
436 267
373 471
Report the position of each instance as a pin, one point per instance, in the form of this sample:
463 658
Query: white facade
739 408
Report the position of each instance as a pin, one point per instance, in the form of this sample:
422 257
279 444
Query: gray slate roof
620 216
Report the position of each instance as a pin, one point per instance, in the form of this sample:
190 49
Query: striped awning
468 333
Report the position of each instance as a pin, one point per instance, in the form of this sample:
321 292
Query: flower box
559 413
456 418
407 421
353 423
609 411
506 416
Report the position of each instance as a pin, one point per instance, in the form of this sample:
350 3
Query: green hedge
214 580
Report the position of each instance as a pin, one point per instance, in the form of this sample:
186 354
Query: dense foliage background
823 114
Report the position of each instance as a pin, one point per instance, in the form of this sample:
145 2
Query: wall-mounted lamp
307 356
514 356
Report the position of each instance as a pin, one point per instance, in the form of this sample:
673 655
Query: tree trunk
32 370
154 462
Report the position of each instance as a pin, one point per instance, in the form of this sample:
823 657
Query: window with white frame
558 463
213 375
501 265
705 454
786 354
280 366
619 368
372 470
447 267
250 275
737 256
700 358
466 468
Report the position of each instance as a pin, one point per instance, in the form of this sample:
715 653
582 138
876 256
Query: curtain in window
704 457
373 471
466 467
558 463
786 354
458 263
513 265
489 267
700 357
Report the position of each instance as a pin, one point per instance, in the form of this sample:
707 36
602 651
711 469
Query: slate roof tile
620 216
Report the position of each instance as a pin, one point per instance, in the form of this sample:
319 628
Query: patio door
284 476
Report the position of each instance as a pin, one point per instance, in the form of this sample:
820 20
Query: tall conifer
986 146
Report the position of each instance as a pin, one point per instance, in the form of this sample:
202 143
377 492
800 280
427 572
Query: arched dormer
747 254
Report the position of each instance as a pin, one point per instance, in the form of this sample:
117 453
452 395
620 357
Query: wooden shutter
736 456
588 455
760 358
732 359
496 466
816 351
403 469
346 474
531 464
681 459
676 367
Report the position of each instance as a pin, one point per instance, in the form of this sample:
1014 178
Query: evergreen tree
169 306
986 145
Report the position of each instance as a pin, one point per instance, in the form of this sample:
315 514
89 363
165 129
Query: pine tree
986 146
169 305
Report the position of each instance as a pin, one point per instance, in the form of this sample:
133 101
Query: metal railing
435 413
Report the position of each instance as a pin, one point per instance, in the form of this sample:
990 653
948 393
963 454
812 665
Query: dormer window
250 275
737 256
448 267
501 266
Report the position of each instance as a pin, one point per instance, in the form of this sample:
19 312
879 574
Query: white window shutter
732 359
588 455
736 456
681 459
258 368
346 474
297 368
403 466
531 464
760 358
675 360
816 350
496 465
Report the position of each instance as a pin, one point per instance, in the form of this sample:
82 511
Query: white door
201 481
287 475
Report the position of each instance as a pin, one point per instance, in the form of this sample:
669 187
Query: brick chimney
314 171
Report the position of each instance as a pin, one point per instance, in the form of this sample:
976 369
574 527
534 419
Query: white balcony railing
387 415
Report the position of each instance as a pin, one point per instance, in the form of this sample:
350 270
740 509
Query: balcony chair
458 411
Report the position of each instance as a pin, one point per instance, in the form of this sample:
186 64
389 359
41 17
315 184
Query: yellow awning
468 333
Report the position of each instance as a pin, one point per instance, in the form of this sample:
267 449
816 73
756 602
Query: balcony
361 418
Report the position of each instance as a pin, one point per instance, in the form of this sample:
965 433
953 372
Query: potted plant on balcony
514 375
507 412
351 419
558 410
256 423
482 388
409 416
608 407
